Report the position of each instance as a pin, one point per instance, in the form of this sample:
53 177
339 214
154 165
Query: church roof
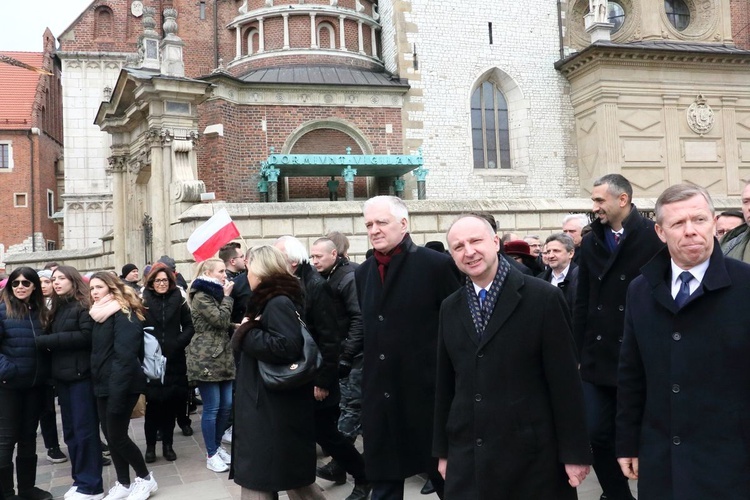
18 90
323 75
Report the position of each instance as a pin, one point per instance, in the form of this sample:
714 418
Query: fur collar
207 285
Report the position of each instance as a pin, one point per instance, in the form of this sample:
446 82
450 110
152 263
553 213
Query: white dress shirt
698 272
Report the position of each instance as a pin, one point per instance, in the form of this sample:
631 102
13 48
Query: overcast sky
22 23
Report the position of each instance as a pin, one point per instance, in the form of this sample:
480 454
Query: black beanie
127 269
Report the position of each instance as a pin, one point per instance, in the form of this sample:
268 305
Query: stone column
313 32
238 43
360 38
373 41
421 175
272 174
161 160
342 35
263 190
348 174
261 36
286 29
119 200
731 146
672 139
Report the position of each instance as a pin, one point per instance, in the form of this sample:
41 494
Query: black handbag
293 375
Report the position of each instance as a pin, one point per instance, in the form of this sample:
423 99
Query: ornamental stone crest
700 116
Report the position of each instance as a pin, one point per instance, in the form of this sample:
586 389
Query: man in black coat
561 270
320 317
683 384
621 241
509 416
400 290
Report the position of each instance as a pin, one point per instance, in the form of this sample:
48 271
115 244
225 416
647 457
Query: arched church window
489 127
616 15
104 22
678 13
326 36
253 41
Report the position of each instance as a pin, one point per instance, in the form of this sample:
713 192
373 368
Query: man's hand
576 474
442 466
320 394
629 466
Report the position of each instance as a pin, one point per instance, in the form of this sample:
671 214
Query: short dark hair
229 251
616 184
732 213
562 238
50 265
681 192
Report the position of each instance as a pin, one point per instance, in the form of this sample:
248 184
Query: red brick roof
18 90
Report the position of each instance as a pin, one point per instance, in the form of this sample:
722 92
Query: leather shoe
150 456
186 430
168 453
331 471
428 488
361 491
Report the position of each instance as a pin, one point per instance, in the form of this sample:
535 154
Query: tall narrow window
5 156
490 135
50 203
203 9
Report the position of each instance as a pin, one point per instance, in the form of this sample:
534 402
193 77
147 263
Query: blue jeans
217 405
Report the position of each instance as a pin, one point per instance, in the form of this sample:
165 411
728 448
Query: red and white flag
213 234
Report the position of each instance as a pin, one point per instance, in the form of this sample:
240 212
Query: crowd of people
500 368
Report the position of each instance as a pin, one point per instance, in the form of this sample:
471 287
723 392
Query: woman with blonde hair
274 440
118 379
210 362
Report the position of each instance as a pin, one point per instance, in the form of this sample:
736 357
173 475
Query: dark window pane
476 99
478 158
491 158
678 13
501 103
476 118
487 95
616 15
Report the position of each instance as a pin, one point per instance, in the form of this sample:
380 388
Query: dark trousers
601 406
124 452
337 445
183 415
19 418
81 433
394 490
160 416
48 419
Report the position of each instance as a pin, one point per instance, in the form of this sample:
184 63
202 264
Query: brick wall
740 12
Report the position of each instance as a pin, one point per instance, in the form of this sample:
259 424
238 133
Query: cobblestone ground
188 479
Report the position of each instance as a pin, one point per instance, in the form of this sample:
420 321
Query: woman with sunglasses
116 347
69 342
23 372
168 313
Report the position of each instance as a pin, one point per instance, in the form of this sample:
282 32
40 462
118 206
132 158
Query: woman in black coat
118 378
23 374
68 340
167 311
274 438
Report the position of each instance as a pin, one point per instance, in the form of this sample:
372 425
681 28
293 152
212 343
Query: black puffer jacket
348 314
116 371
21 365
68 339
169 314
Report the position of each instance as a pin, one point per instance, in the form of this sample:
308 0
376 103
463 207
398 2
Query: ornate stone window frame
704 19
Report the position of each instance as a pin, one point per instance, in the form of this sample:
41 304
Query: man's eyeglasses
24 283
161 281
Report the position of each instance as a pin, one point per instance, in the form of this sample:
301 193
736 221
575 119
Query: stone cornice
302 10
344 54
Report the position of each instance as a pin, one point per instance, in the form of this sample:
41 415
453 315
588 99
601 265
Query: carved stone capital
159 136
117 164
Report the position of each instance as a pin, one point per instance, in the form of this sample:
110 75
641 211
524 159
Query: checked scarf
480 315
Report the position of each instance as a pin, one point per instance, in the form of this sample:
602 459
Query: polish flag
212 235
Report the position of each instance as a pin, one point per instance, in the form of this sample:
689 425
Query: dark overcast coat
684 385
400 318
509 408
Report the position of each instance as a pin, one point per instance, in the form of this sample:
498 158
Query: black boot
332 471
6 483
361 491
26 475
150 455
428 488
168 452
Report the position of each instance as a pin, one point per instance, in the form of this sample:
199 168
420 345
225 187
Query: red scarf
384 260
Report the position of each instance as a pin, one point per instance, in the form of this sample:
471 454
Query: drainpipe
560 28
216 33
33 131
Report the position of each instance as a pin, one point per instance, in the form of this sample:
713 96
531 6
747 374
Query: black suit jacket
569 285
603 279
684 384
509 408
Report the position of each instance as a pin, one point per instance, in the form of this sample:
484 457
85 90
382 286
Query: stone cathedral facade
165 99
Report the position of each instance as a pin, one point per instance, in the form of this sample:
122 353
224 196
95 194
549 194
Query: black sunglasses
25 283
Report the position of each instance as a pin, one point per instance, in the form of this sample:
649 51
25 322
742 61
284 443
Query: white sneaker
118 492
86 496
142 488
216 464
70 492
227 437
224 455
